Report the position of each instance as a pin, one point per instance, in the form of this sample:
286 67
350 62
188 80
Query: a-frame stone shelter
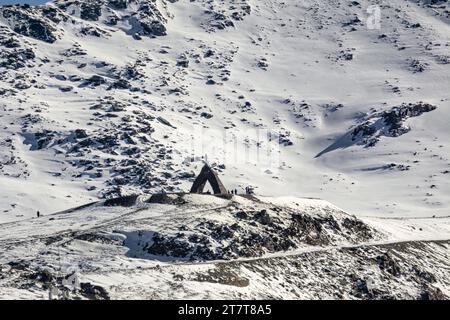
208 175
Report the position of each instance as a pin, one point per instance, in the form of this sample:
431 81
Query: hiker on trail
235 191
38 214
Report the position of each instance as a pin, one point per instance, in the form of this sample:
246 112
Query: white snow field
109 98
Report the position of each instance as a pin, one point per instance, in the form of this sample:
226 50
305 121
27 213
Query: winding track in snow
282 255
70 234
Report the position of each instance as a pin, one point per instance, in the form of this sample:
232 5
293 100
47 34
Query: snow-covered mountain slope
202 246
103 98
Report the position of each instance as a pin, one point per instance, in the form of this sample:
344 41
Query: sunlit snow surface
308 70
302 44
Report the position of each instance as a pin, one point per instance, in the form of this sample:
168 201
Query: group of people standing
248 190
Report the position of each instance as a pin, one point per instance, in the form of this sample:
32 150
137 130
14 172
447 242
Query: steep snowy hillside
108 97
345 101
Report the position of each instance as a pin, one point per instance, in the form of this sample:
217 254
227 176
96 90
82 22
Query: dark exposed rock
74 51
223 275
80 134
357 227
391 122
95 80
19 265
171 247
252 235
263 64
9 42
44 276
120 84
165 122
153 28
424 275
183 63
93 31
361 286
284 140
145 20
66 88
28 21
209 53
149 19
431 293
417 66
263 217
118 4
93 292
206 115
16 58
308 228
53 14
90 10
388 264
161 198
41 139
126 201
241 215
352 22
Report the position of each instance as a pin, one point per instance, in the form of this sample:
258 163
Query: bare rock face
34 22
220 17
90 10
60 285
388 123
150 20
255 233
135 17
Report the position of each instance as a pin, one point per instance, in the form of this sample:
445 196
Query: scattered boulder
93 292
95 81
125 201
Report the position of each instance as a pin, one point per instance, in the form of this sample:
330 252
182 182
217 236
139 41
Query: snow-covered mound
201 246
245 228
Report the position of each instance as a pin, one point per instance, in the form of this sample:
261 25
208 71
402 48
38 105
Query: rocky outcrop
255 233
34 22
136 17
388 123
